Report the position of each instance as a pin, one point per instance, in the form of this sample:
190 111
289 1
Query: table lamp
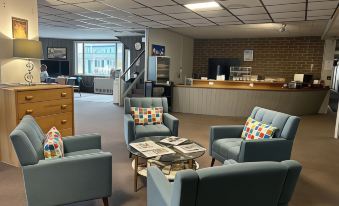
27 49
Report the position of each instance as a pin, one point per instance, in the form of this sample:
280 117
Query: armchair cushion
82 152
151 130
172 123
228 148
82 142
143 116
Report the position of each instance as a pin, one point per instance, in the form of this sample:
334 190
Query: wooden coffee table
170 164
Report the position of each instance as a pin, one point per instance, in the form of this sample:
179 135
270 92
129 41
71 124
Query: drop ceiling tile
230 23
188 15
216 13
286 15
160 18
94 6
258 21
50 2
70 8
73 16
76 1
143 11
113 20
122 4
172 22
223 19
236 4
281 2
92 21
179 25
322 5
190 1
248 11
318 18
282 20
55 18
94 15
286 7
203 24
116 13
134 18
151 24
172 9
255 17
50 10
130 25
152 3
197 21
326 12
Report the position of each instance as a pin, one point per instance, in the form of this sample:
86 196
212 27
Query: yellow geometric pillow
53 145
144 116
254 129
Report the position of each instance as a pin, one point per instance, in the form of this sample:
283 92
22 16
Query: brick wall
273 57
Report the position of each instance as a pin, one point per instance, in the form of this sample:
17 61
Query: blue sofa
226 142
84 173
233 184
168 128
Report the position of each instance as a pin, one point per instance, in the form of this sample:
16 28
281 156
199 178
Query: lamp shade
27 49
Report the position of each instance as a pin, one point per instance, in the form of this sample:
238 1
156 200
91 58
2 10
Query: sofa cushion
228 148
151 130
82 152
254 129
53 146
143 116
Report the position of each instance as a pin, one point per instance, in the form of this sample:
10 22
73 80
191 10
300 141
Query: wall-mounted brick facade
273 57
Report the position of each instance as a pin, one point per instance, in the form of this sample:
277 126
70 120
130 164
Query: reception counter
235 98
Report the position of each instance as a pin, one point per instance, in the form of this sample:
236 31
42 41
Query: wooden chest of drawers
50 105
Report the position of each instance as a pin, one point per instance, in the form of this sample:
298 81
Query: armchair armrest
276 149
172 123
159 190
82 142
230 162
224 131
76 178
129 128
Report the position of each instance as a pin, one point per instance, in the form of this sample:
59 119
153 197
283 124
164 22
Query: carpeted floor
314 147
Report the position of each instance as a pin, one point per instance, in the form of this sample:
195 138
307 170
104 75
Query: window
98 58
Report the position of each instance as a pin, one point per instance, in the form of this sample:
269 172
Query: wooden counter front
50 105
245 85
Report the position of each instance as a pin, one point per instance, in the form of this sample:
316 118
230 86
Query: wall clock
137 46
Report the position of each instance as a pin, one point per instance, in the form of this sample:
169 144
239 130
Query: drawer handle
28 97
64 106
63 94
63 121
29 111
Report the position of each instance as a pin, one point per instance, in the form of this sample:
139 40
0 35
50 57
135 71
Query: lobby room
169 102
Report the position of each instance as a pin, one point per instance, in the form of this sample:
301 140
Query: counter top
246 85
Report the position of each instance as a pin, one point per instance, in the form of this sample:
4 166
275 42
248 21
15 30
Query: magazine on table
145 146
173 140
190 148
158 152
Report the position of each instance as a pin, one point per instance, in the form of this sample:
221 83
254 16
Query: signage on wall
158 50
57 53
248 55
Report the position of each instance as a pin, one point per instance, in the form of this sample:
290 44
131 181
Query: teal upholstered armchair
168 128
240 184
226 142
84 173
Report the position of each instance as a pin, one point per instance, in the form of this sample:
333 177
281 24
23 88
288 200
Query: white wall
178 47
328 56
13 70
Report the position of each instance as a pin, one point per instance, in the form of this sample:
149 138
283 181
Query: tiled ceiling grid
135 15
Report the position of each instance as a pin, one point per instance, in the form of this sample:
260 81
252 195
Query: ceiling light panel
152 3
217 13
236 4
143 11
172 9
204 6
286 8
248 11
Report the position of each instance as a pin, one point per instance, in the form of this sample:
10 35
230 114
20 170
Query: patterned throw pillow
254 129
53 146
144 116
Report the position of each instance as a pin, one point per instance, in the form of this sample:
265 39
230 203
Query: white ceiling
106 18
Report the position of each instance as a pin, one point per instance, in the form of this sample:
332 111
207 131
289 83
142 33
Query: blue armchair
84 173
132 131
226 142
240 184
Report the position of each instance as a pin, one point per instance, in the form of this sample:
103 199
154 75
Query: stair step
138 91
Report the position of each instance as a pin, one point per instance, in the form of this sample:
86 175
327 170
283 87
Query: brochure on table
190 148
151 149
173 140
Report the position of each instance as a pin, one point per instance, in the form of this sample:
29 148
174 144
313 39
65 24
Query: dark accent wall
273 57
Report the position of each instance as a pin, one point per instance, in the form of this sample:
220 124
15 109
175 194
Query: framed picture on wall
57 53
248 55
158 50
19 28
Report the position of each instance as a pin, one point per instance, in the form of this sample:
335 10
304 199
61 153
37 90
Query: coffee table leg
190 164
136 160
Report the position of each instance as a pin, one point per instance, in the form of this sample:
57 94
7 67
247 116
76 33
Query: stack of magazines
173 140
151 149
190 148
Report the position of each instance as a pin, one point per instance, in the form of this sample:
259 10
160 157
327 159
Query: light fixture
202 6
282 28
27 49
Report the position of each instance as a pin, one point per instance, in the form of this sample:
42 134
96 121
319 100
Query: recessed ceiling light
203 6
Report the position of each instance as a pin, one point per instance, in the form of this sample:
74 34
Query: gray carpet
314 148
